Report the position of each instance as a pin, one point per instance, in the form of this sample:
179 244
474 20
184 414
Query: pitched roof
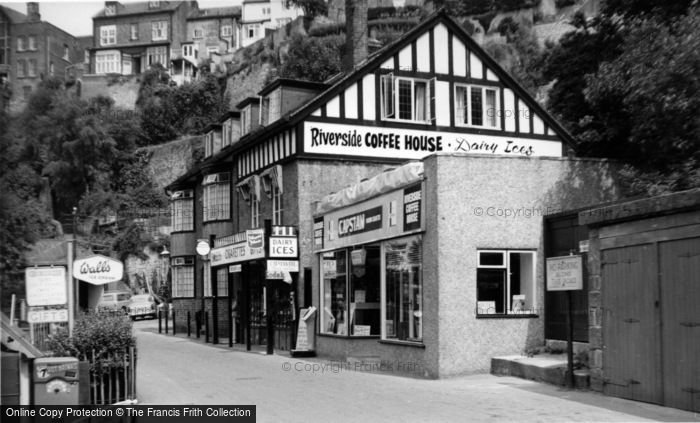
340 81
215 12
139 8
13 15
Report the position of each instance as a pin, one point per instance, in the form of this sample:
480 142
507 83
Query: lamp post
164 255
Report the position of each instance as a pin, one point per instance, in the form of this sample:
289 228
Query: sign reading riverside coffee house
98 270
248 245
351 140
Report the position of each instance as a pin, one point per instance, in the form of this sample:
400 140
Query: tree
326 52
311 8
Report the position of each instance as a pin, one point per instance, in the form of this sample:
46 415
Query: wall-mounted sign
284 247
98 270
584 246
564 273
365 221
235 268
318 233
45 285
372 141
47 316
248 245
412 197
283 265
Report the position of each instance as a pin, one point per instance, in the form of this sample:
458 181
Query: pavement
181 370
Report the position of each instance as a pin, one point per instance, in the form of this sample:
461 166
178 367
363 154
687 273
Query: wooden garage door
680 294
632 355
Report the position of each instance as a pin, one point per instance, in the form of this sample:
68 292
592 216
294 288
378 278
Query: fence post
167 316
189 330
206 326
198 322
160 323
174 311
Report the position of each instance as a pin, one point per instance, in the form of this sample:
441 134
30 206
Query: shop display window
365 265
404 289
505 282
334 312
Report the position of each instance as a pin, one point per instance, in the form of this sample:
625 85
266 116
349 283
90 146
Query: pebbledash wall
474 203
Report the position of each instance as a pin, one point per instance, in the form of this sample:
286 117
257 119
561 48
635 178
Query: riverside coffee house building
391 182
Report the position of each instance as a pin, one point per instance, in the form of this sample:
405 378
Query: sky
76 17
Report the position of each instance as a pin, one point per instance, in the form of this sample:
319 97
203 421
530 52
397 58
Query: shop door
680 282
280 306
632 359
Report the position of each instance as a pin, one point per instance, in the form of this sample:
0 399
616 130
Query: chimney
33 12
355 33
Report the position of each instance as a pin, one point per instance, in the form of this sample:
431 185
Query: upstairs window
477 106
216 197
406 99
182 210
153 4
245 120
134 30
32 68
226 31
31 41
272 185
253 31
108 35
21 68
21 46
198 33
66 52
159 30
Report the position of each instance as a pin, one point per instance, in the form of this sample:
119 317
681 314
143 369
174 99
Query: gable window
159 30
134 31
406 99
182 209
216 197
111 10
108 35
21 43
183 276
477 106
31 41
157 55
505 282
226 31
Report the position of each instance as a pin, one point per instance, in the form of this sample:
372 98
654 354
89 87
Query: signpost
46 285
566 274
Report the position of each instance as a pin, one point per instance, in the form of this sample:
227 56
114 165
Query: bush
102 337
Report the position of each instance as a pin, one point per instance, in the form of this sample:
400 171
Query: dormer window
110 9
245 120
153 4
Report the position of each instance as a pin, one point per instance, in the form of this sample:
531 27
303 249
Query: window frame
31 43
220 212
390 93
159 27
484 113
182 203
159 52
104 60
21 43
134 31
226 30
108 35
506 267
197 33
182 263
21 68
31 68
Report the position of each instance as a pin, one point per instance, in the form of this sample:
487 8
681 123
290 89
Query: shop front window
404 289
505 281
334 313
365 278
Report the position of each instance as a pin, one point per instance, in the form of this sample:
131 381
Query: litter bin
56 381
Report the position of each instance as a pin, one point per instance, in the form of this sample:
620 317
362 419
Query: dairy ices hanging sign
98 270
370 141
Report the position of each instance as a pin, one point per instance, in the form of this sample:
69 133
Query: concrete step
548 368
